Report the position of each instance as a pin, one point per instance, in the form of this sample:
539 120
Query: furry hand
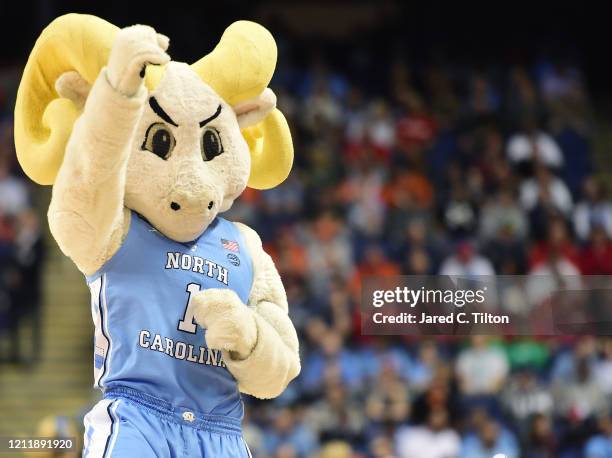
230 324
135 47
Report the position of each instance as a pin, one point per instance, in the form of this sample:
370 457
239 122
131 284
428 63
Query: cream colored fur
72 86
260 346
106 172
250 112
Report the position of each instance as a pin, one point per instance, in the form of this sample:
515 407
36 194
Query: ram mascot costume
143 154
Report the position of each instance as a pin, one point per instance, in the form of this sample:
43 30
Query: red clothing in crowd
415 130
540 253
596 260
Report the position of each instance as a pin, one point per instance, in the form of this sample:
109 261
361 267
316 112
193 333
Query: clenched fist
230 324
135 47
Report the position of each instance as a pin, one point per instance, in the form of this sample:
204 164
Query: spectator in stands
14 196
559 81
380 128
557 246
408 195
503 229
595 209
525 397
484 98
580 397
381 447
523 96
388 401
424 366
417 129
329 359
336 415
596 256
490 440
532 145
375 262
467 263
545 191
322 108
21 255
460 215
501 217
440 394
329 251
366 210
566 361
602 369
26 283
481 368
288 436
435 439
336 449
542 442
600 446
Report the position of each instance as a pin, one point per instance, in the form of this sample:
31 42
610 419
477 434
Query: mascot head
206 132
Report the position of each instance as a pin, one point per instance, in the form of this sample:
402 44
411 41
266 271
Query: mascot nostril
197 309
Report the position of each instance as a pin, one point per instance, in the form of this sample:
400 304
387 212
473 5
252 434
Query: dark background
466 31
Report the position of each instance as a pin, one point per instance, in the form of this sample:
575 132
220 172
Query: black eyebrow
207 120
159 111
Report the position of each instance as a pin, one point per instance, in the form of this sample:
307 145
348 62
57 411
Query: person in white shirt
545 189
13 192
481 368
595 209
466 262
433 440
533 144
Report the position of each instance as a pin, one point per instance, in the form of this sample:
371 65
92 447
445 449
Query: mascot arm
87 216
259 342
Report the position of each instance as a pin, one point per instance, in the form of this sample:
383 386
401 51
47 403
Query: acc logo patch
188 416
233 259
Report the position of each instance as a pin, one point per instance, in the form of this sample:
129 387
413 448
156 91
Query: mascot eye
159 140
211 144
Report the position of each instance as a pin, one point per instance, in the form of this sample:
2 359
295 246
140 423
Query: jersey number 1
188 324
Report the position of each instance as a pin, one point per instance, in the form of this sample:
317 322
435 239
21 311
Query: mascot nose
176 206
193 193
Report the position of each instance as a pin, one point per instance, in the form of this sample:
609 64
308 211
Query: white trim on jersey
247 448
102 341
109 356
101 429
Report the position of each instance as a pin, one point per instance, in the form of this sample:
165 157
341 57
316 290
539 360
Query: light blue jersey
146 338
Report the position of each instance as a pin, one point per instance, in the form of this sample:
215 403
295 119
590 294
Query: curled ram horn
43 119
240 68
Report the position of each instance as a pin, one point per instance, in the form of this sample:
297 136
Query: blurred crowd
21 253
442 170
445 170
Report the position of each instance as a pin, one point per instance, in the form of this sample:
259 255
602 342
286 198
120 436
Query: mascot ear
252 111
71 85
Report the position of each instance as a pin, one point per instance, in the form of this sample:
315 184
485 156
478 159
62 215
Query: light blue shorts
129 424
